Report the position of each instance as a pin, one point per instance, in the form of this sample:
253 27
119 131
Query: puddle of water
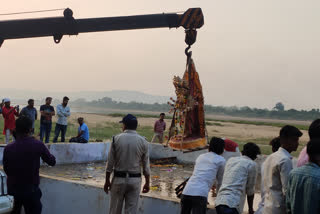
164 178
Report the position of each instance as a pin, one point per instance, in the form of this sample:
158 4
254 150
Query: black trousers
78 140
193 204
29 199
223 209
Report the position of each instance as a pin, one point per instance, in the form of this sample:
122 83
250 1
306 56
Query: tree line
278 112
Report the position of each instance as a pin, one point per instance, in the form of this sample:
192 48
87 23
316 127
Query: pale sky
249 52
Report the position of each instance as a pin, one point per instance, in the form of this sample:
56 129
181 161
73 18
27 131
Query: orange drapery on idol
187 130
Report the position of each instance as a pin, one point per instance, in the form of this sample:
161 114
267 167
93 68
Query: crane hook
187 52
191 36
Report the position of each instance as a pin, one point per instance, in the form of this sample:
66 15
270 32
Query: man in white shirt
63 112
275 143
209 168
276 171
238 181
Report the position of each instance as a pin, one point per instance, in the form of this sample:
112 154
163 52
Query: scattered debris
153 188
167 170
167 165
170 160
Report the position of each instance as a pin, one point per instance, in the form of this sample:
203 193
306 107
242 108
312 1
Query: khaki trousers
125 189
158 136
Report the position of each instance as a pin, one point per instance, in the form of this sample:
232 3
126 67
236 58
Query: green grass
99 132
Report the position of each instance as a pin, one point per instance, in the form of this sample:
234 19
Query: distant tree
106 100
245 109
279 106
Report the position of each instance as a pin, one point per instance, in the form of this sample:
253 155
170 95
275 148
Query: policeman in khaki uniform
128 153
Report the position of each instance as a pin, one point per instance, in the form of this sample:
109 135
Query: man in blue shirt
83 133
303 193
31 112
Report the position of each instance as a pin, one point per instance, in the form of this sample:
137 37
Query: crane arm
57 27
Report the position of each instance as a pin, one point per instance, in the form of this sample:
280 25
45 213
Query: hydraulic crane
188 90
57 27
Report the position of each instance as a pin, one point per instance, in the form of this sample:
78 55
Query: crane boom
57 27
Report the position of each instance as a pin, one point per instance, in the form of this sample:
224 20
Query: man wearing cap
128 153
231 149
63 112
276 171
9 113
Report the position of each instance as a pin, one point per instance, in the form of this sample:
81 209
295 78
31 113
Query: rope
36 11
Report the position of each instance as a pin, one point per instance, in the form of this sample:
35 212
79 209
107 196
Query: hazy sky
249 52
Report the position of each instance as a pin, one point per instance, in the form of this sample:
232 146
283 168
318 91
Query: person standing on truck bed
21 163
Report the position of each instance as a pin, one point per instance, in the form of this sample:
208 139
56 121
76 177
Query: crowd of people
284 188
231 174
47 111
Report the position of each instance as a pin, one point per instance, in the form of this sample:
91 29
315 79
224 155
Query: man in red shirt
159 128
9 113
